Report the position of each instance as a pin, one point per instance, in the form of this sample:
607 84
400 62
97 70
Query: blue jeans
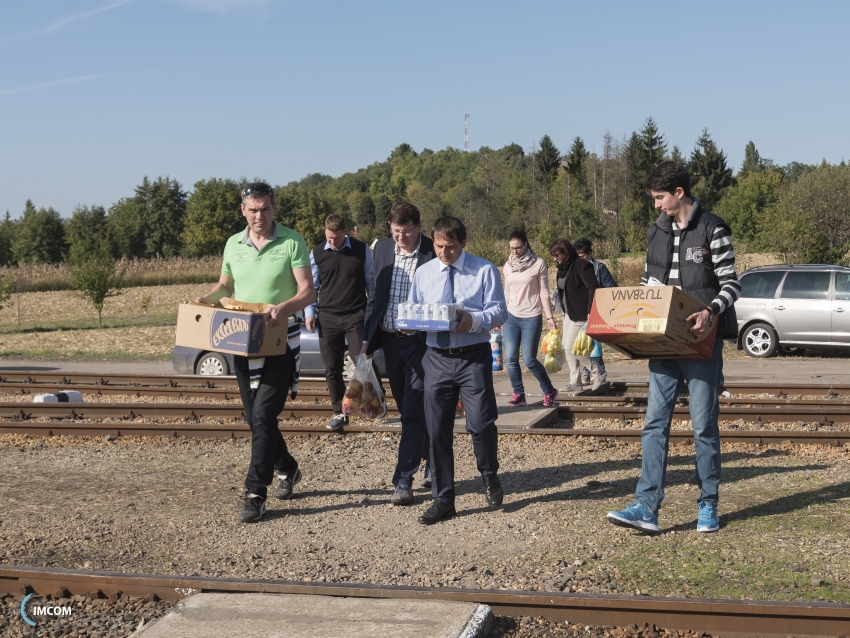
665 380
525 332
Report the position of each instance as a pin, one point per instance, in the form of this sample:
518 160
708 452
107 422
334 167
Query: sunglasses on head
252 190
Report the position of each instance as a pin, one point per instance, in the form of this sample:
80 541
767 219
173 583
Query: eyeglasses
403 233
517 249
258 188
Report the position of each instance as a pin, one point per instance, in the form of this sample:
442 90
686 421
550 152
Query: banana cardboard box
648 322
234 327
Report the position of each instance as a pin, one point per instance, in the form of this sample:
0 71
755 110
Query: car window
806 285
842 286
761 285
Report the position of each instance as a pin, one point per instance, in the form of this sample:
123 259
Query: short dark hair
520 234
563 247
583 244
255 190
335 222
450 227
403 212
667 177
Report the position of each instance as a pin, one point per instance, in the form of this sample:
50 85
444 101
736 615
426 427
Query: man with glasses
268 263
342 273
393 266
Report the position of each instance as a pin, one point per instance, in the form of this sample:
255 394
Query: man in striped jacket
691 248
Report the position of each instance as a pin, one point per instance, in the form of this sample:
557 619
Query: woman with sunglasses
576 285
527 294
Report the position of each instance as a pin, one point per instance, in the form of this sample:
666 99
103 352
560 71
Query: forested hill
802 211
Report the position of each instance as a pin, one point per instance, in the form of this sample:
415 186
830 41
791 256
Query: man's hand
275 315
700 320
310 324
465 322
363 351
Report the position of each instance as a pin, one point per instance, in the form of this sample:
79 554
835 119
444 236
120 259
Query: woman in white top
527 294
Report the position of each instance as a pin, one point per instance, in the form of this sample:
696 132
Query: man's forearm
300 301
218 292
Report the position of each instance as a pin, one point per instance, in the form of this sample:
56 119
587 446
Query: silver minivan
789 308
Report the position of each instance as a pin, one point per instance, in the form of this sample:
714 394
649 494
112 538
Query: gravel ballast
170 507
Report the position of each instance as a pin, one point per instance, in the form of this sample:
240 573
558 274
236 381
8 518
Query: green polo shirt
265 276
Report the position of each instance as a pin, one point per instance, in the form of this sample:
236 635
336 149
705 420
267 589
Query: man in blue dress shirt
459 363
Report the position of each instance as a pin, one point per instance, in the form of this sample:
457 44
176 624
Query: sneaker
285 484
707 520
338 421
253 509
550 398
637 516
585 379
600 387
403 495
517 400
572 389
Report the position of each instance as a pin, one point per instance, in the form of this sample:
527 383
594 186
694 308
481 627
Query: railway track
238 430
741 618
182 381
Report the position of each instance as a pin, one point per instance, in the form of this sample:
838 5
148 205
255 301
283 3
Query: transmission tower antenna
466 132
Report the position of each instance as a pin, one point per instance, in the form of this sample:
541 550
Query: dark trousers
333 331
403 356
469 375
268 449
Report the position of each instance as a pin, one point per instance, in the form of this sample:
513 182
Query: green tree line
799 210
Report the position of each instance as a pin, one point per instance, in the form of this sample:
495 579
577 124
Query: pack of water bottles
428 316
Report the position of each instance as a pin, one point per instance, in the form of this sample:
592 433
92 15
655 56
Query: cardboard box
234 331
648 322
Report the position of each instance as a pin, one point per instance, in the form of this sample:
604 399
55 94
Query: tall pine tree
710 177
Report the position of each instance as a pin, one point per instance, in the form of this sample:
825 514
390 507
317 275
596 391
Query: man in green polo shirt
268 263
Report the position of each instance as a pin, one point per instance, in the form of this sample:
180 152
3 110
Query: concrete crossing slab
301 616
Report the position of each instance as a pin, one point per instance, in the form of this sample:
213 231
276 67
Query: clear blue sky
95 94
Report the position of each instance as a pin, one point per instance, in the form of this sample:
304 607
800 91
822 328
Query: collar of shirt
246 238
458 264
347 244
415 251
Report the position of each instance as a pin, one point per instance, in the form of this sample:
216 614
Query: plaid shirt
403 269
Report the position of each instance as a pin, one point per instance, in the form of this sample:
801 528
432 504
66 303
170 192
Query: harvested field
64 305
153 342
166 506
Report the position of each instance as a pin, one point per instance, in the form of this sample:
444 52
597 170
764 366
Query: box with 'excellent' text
225 330
649 322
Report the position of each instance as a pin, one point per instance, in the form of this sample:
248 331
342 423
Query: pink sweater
527 292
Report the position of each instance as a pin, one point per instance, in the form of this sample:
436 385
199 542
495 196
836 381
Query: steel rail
233 431
742 618
131 411
91 378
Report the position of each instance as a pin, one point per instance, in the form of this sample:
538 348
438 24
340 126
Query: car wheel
349 366
212 364
790 350
759 340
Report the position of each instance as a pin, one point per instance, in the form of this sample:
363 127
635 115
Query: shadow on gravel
515 483
367 498
780 505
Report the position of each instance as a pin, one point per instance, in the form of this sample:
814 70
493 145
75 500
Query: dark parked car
792 307
194 361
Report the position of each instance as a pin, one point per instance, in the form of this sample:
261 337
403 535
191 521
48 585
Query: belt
473 348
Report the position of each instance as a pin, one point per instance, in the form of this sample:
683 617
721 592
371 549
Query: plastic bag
583 344
555 362
551 343
363 395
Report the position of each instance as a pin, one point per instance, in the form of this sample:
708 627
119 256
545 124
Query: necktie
448 297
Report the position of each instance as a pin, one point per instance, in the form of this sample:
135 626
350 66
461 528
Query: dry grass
138 272
57 306
153 342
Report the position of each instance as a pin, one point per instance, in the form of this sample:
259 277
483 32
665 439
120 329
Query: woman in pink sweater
527 294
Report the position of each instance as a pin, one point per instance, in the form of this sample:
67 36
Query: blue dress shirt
310 311
477 285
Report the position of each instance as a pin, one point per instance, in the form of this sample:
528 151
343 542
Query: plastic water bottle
496 347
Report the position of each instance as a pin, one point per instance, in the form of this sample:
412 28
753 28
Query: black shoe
253 510
285 484
338 421
493 490
426 479
437 512
403 495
